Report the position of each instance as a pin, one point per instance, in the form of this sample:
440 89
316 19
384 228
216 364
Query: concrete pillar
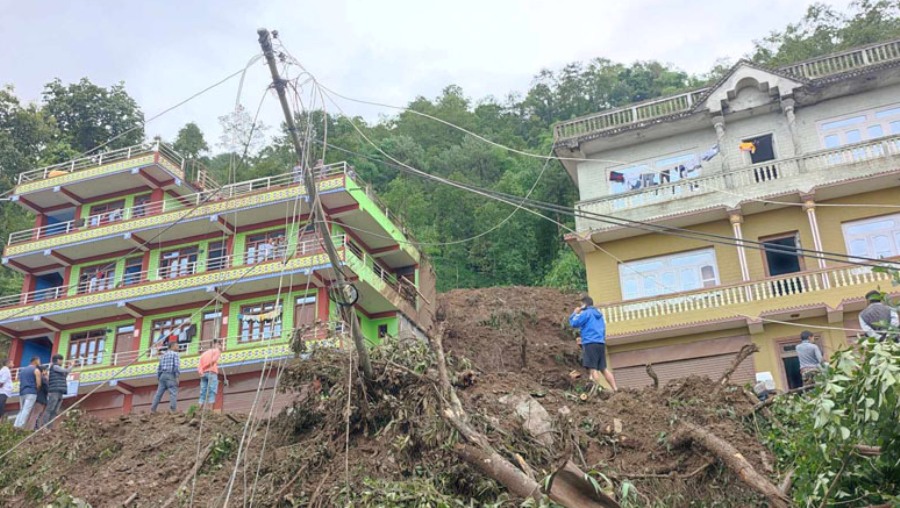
718 122
810 207
736 219
787 106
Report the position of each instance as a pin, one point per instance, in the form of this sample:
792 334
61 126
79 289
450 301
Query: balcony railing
786 288
635 113
406 289
751 182
318 334
175 204
100 284
642 111
845 61
100 159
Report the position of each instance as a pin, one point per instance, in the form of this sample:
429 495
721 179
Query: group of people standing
41 391
168 373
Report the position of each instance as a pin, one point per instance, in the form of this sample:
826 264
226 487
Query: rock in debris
535 419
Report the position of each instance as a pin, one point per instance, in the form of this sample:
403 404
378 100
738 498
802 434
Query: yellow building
779 158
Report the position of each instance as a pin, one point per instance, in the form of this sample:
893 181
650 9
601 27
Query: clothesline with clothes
684 169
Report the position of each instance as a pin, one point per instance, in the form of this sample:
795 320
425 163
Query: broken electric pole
317 212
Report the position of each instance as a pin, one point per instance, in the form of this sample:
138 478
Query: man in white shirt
6 385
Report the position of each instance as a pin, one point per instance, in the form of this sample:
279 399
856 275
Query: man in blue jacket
593 341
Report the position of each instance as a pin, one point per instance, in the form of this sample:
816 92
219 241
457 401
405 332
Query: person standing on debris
29 384
40 404
208 368
590 322
59 385
878 317
6 385
167 373
810 357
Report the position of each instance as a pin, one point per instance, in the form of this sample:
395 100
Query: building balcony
568 133
832 173
138 367
345 197
138 294
802 294
75 182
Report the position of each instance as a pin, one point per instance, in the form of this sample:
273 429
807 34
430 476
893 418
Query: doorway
123 344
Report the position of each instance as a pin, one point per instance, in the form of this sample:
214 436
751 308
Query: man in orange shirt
208 369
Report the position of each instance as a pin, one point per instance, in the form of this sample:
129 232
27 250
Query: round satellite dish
345 294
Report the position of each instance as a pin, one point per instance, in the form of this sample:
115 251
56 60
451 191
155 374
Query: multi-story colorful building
800 157
125 250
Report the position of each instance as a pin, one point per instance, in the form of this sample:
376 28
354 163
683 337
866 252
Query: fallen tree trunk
867 451
742 355
733 459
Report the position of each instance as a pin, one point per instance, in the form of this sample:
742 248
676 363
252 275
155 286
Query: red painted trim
142 172
40 220
175 308
227 225
140 312
157 195
136 336
65 260
94 322
323 302
189 240
145 260
258 294
127 403
268 224
51 324
58 207
67 276
57 336
29 283
26 333
114 255
15 350
34 208
71 195
382 250
78 211
126 192
381 315
223 329
341 209
220 397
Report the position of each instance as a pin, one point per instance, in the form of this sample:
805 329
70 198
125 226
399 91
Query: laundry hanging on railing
262 317
747 146
709 154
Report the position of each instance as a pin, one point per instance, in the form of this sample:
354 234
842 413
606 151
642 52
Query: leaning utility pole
317 213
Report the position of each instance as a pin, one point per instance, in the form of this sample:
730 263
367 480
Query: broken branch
746 350
733 460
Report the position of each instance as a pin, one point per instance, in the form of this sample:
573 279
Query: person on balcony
878 318
810 357
59 385
208 368
6 385
266 251
29 384
590 322
167 372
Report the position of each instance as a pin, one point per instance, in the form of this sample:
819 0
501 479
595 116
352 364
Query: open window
178 263
763 148
97 277
781 254
107 212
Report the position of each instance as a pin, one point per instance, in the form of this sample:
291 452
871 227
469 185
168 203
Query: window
255 330
655 172
88 347
863 126
162 328
674 273
877 237
265 247
133 270
382 331
106 213
178 263
216 258
781 254
96 278
141 206
764 150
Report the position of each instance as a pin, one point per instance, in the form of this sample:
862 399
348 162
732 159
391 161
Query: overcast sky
390 51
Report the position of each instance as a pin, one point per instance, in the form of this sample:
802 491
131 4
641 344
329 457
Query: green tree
89 115
190 142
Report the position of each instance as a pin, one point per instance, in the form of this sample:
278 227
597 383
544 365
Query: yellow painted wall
603 269
776 222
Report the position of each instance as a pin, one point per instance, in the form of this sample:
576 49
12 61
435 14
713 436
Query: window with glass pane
877 237
674 273
860 127
164 327
88 347
216 258
132 270
97 278
264 247
252 330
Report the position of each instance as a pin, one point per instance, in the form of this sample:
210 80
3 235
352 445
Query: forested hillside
526 250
